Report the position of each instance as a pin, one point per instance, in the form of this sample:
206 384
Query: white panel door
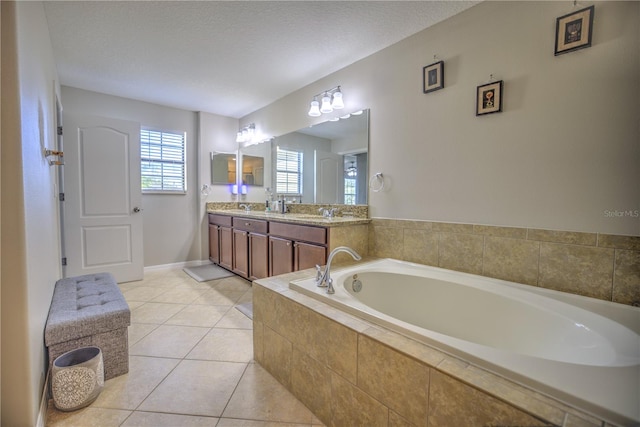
329 175
103 218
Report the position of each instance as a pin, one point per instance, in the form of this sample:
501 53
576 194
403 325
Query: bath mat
204 273
246 308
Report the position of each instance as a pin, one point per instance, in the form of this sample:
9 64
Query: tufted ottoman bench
90 311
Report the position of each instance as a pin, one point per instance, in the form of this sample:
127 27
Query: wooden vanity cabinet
250 248
308 256
221 240
280 256
299 247
255 248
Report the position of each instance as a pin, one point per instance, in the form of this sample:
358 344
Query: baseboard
44 404
176 265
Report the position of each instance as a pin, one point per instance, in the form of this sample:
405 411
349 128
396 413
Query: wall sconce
247 133
331 100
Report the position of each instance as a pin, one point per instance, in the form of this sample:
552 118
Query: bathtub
581 351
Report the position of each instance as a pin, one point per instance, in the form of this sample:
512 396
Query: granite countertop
298 218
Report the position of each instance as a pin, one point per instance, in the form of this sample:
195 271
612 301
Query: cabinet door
307 256
258 256
214 243
280 256
226 247
241 253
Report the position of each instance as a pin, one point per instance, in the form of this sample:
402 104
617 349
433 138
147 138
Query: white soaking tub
582 351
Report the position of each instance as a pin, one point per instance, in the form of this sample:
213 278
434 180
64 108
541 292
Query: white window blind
288 172
163 167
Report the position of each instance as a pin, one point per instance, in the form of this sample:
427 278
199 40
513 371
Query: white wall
170 222
564 151
30 232
217 133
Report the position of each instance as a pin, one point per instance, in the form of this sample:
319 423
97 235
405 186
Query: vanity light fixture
247 133
331 100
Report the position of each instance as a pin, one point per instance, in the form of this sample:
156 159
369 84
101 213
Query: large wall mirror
223 168
326 163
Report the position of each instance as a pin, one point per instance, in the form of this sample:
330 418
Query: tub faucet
323 279
247 208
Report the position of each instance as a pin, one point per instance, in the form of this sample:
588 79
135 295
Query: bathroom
543 173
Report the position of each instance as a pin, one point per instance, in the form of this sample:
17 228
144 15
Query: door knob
136 210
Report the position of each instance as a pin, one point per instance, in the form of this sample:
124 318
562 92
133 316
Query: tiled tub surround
596 265
351 372
583 351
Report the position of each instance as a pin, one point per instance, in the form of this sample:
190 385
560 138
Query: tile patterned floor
190 363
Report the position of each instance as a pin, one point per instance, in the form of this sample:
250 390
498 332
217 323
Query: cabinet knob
247 224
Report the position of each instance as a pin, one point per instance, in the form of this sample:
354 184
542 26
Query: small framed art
433 77
573 31
489 98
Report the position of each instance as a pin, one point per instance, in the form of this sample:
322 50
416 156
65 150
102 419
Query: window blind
288 172
162 156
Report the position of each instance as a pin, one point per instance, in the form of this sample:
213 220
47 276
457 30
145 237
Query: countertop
297 218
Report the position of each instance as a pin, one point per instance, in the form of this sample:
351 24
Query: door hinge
64 261
59 130
61 197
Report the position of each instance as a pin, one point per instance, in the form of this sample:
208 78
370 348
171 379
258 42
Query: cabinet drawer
299 232
223 220
248 224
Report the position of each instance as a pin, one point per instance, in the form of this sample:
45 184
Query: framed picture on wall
573 31
489 98
433 77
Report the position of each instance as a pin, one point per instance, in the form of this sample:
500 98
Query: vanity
258 244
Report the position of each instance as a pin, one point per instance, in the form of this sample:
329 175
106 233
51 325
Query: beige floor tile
228 345
155 419
129 390
137 331
86 417
219 297
155 312
169 341
199 315
234 319
260 397
196 387
232 283
143 293
247 297
181 294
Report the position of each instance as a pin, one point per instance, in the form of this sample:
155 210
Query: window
349 191
288 172
163 166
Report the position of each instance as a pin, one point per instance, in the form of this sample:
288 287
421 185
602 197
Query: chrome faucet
323 279
247 208
328 213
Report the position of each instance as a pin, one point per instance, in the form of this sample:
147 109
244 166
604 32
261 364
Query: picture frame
433 77
574 31
489 98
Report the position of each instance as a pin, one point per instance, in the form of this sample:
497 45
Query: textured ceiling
229 58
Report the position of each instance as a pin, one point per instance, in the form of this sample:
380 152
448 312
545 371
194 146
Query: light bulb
337 103
326 104
314 111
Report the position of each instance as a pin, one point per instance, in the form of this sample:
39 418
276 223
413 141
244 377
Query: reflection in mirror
253 170
223 168
324 163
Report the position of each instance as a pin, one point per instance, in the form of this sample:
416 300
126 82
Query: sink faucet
328 213
247 208
323 279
